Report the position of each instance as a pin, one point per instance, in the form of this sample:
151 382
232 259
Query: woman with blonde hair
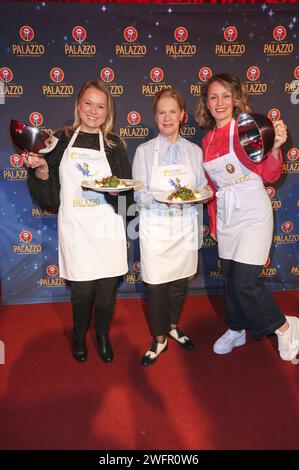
91 235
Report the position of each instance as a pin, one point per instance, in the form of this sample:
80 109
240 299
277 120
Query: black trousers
83 293
248 302
165 303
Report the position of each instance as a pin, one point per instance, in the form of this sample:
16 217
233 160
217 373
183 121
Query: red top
269 169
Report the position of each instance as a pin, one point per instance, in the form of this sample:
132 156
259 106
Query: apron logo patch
176 184
85 169
230 168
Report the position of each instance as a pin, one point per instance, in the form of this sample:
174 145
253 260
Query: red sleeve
212 204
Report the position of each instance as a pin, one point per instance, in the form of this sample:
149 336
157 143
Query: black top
47 193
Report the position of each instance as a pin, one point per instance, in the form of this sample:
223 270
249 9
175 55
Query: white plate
203 197
130 184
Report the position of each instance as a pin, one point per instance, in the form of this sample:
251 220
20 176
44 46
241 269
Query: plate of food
111 184
184 195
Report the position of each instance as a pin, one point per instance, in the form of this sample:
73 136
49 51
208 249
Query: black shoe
153 352
79 350
105 348
181 338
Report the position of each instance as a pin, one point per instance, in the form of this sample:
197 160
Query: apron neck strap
231 135
101 140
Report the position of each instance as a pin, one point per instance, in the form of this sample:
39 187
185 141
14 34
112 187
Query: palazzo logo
291 165
135 276
287 235
276 203
186 130
254 86
79 47
25 246
207 241
59 89
36 118
293 86
130 48
16 171
230 47
204 74
268 270
279 47
180 48
11 89
27 47
156 82
274 114
134 130
107 76
52 279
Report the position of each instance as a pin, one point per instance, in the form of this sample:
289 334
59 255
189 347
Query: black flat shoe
79 350
153 352
105 348
181 338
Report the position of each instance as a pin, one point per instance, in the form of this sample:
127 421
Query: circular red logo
156 74
181 34
107 74
16 160
230 33
253 73
79 33
130 34
6 74
270 191
267 263
296 72
52 270
26 33
205 230
136 266
230 168
205 73
134 118
56 74
287 226
293 154
185 118
25 236
279 33
274 114
36 118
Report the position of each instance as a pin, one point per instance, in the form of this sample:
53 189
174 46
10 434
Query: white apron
92 241
168 238
244 211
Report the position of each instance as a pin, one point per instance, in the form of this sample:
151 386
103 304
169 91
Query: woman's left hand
281 134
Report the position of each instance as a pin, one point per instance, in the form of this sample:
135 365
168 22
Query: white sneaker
288 342
229 340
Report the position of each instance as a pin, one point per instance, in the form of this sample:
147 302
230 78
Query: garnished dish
110 182
184 194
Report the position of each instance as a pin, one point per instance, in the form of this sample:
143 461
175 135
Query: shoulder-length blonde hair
231 83
169 93
108 124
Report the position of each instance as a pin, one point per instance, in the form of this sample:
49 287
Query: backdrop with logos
49 49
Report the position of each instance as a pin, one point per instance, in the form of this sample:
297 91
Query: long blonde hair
108 124
231 83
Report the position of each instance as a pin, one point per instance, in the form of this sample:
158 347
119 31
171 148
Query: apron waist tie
231 201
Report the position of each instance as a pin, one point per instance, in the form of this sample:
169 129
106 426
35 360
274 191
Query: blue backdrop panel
48 50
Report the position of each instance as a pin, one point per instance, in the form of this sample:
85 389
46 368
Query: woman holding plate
169 234
92 239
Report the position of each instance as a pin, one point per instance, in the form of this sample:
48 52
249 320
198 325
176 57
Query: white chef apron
244 211
169 237
92 241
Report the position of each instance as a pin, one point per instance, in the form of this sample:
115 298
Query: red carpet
187 400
